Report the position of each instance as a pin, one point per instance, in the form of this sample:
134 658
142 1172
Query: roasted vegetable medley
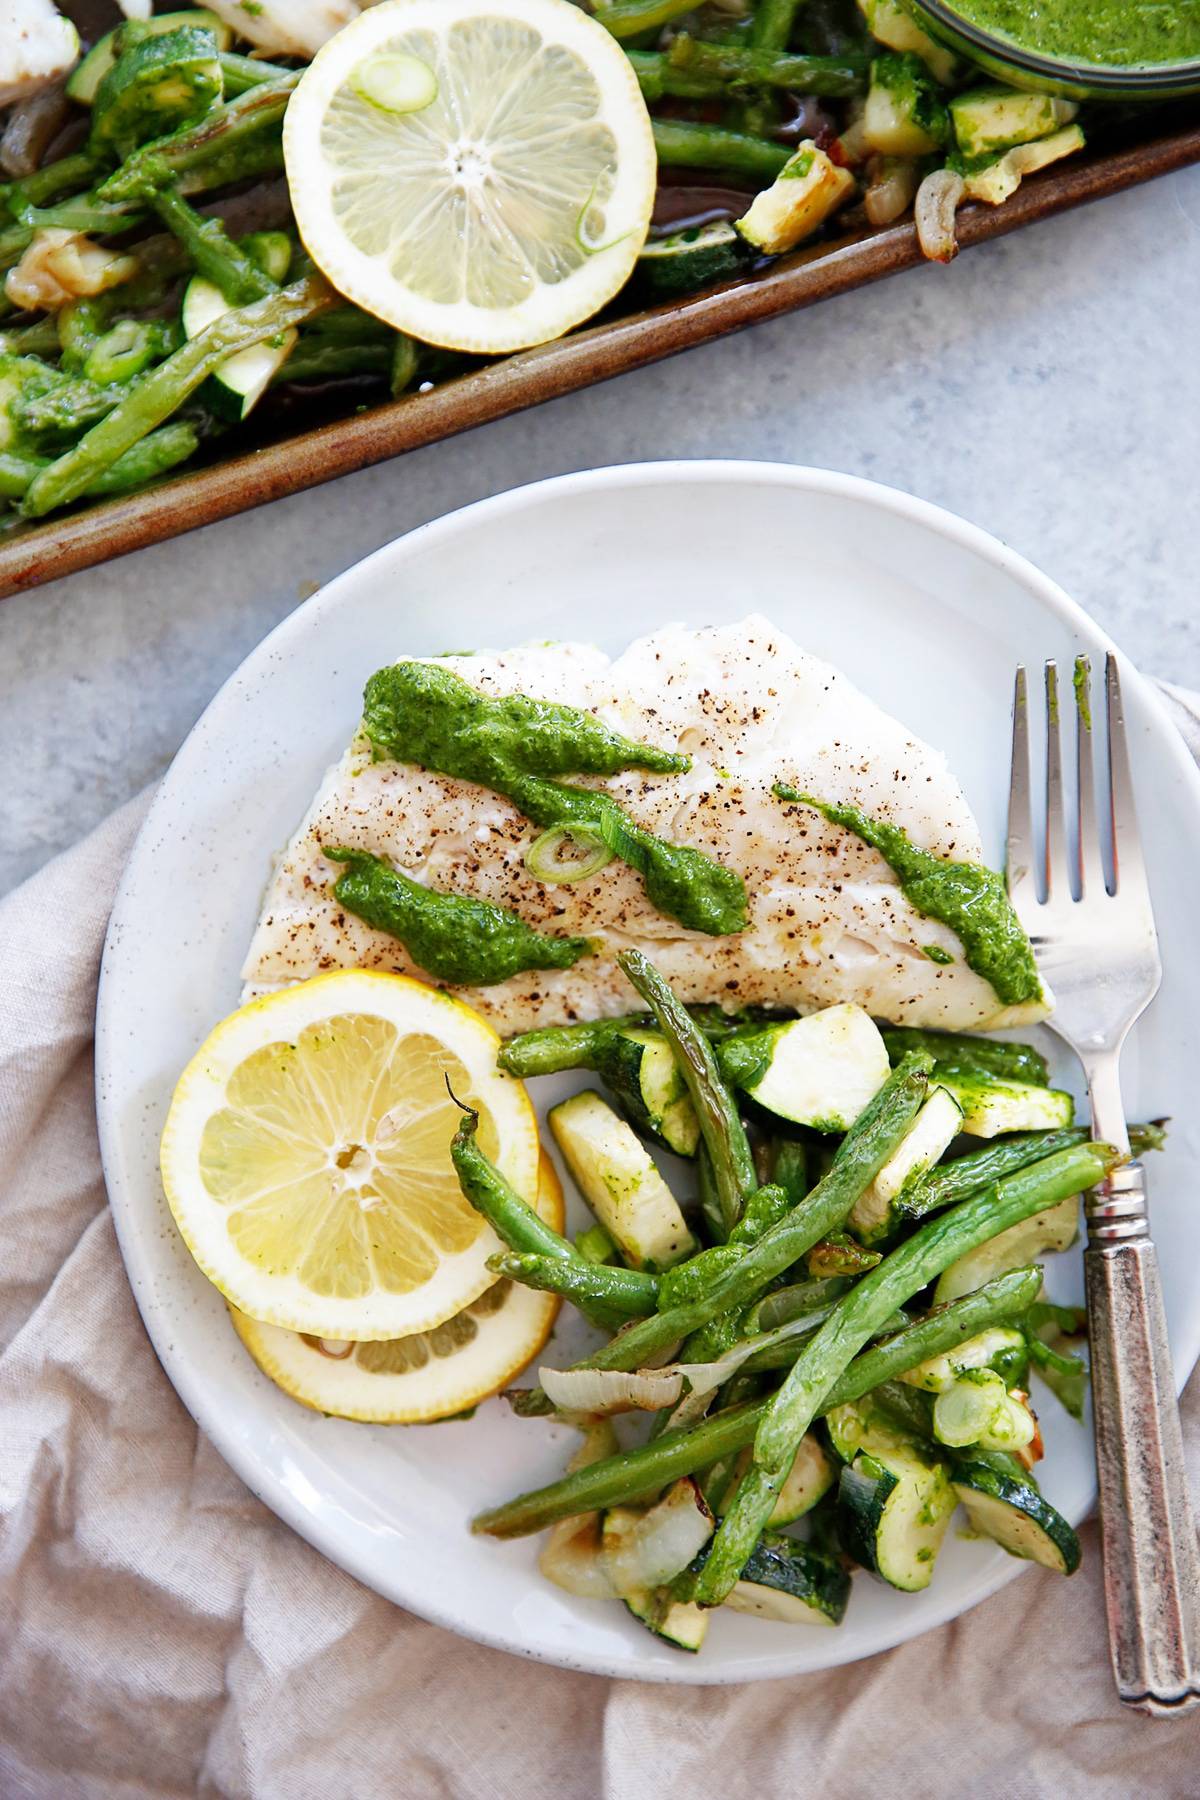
155 288
852 1308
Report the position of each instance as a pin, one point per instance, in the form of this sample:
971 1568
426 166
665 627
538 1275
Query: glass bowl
1075 79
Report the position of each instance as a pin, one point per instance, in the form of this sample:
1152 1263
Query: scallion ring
544 857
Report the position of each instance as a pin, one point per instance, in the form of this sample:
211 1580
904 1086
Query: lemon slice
494 200
306 1155
428 1375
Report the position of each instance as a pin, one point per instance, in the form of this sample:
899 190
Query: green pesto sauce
417 712
469 943
968 898
1114 33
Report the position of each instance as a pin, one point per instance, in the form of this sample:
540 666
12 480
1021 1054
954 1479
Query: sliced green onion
395 82
544 856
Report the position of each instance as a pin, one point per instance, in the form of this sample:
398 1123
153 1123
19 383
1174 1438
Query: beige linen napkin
163 1634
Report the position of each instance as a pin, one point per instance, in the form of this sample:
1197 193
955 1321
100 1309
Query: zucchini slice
87 75
809 1479
792 1583
879 1210
1054 1229
991 1105
997 180
690 259
892 24
894 1506
807 189
1016 1516
620 1182
818 1071
640 1070
676 1622
244 378
991 118
1001 1348
904 114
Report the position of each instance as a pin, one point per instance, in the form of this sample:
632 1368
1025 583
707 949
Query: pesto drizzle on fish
969 898
419 713
469 943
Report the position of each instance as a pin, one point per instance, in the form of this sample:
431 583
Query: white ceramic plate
929 616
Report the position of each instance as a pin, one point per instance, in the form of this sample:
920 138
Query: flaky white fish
828 921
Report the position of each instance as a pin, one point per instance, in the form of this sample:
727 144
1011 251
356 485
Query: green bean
244 72
334 362
966 1175
157 453
861 1155
512 1219
646 1470
38 339
773 21
716 1110
930 1250
633 1293
789 1168
629 18
67 175
688 146
128 348
727 66
160 392
406 359
1012 1062
219 137
213 251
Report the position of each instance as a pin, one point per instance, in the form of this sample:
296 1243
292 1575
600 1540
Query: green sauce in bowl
1112 33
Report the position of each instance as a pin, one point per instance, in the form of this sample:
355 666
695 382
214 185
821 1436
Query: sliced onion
544 859
938 199
645 1550
891 184
605 1391
32 126
573 1557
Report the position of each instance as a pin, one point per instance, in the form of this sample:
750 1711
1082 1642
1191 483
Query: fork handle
1148 1535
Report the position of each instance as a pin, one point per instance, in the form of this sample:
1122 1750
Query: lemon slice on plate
427 1375
306 1155
480 177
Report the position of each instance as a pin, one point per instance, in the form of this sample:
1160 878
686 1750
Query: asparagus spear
1013 1062
690 146
164 389
224 133
644 1471
716 1110
728 66
212 251
930 1250
863 1152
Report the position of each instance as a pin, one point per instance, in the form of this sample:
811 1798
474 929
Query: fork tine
1058 874
1129 870
1091 854
1022 884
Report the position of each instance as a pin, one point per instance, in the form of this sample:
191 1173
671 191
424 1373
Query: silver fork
1094 938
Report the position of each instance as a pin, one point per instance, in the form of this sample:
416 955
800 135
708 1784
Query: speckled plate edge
41 553
193 1383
